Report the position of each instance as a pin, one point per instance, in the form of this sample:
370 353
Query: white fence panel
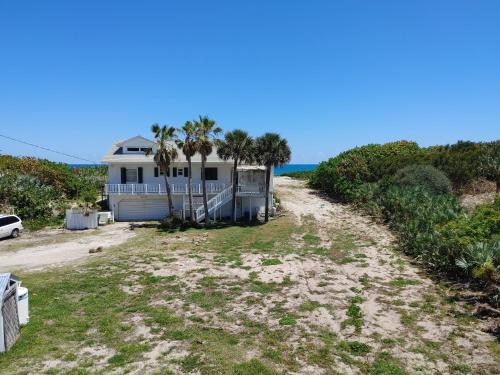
79 219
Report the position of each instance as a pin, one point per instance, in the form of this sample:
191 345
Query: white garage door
144 209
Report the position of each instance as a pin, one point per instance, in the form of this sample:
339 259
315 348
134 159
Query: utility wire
47 149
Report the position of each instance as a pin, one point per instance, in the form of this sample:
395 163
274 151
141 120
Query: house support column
183 207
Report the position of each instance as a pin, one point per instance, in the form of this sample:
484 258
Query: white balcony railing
212 188
251 190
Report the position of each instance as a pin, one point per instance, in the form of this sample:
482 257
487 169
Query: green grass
460 368
355 347
309 306
311 239
270 262
287 320
355 316
385 364
400 282
252 367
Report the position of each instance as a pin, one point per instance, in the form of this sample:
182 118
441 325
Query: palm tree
164 155
271 151
188 147
238 146
205 134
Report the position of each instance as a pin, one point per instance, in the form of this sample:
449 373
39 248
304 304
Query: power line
47 149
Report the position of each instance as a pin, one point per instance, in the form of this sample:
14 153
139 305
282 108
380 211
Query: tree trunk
268 179
233 203
190 192
204 186
169 193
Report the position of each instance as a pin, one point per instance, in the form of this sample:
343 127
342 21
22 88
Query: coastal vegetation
39 190
416 192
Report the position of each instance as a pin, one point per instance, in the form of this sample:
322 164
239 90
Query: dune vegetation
39 190
416 191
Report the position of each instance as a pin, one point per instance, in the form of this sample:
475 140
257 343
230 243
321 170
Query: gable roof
137 140
116 155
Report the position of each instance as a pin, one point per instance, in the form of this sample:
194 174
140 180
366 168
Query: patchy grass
252 367
400 282
355 347
309 306
271 262
311 239
287 320
355 316
201 301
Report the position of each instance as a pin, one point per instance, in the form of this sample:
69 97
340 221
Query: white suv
10 226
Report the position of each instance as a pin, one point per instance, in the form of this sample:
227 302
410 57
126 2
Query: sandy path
39 257
381 314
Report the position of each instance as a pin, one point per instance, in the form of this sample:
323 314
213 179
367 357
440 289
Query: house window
146 149
131 175
210 174
186 172
133 149
179 171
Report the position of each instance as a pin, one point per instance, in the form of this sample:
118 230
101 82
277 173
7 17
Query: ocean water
277 172
294 168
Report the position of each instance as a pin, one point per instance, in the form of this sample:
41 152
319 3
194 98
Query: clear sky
327 75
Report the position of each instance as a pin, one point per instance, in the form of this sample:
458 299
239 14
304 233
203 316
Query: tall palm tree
165 153
206 132
188 147
238 146
271 151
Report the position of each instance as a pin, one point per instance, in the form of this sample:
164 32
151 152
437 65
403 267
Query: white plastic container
22 305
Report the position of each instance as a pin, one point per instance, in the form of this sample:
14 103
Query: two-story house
136 187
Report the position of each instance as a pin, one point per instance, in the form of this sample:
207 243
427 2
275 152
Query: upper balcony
196 189
160 189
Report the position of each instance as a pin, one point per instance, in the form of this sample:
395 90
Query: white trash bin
22 305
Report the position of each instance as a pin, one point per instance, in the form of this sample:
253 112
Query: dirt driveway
35 251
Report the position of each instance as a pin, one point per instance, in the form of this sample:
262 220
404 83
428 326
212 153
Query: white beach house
136 188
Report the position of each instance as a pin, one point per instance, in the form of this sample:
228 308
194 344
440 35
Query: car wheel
15 233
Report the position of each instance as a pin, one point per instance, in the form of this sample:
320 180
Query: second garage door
144 209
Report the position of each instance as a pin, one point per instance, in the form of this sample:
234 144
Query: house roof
137 140
115 153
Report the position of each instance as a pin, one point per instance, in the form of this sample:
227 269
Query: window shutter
156 171
186 172
124 175
139 175
174 170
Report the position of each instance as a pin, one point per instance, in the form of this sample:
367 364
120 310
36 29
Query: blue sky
327 75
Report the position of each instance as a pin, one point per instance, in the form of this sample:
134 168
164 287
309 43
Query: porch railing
251 190
212 188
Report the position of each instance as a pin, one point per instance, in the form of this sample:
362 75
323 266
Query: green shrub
28 196
464 162
38 190
344 176
481 261
425 176
483 224
413 213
